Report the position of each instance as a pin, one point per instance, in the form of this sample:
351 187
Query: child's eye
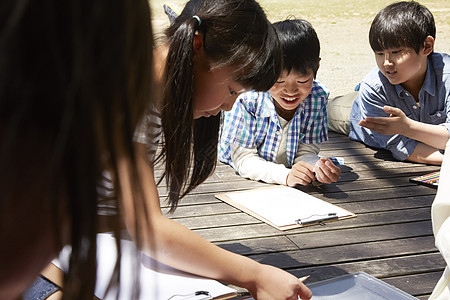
280 82
305 81
379 53
396 51
232 92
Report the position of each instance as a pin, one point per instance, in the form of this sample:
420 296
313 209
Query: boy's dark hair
401 24
300 45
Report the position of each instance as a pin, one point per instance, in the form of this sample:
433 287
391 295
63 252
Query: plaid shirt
253 123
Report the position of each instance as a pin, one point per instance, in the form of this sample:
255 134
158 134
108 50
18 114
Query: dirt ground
342 27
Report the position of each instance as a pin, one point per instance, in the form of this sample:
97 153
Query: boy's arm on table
424 139
177 246
426 154
308 153
250 165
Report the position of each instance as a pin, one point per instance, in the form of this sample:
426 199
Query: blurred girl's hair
74 79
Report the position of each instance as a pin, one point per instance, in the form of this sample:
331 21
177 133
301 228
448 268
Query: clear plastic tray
358 286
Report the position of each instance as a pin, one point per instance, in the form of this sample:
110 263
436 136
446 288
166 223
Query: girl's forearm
181 248
170 242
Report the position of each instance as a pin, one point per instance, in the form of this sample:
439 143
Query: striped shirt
253 123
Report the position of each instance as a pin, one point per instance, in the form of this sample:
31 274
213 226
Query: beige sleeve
250 165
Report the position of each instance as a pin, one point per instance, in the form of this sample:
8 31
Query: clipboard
431 179
284 207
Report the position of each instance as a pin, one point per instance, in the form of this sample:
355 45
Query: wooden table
391 238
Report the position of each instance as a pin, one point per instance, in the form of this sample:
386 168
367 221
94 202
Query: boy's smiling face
290 90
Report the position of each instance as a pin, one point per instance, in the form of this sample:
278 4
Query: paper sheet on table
157 281
282 206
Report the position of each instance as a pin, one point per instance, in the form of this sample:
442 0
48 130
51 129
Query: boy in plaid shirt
274 136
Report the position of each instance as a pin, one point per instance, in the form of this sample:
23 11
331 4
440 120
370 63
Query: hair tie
198 19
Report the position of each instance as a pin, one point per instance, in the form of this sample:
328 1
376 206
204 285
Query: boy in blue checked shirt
274 136
404 104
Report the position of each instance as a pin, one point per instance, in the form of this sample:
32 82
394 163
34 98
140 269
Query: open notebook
285 207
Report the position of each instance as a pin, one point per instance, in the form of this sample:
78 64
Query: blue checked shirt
253 123
376 91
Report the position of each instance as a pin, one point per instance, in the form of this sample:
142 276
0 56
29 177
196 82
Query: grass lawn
342 27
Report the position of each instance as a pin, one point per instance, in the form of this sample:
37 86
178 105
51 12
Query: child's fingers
305 168
295 178
322 176
304 174
301 173
379 125
376 120
335 169
319 170
327 172
392 110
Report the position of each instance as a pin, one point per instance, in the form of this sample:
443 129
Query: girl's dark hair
237 34
401 24
74 80
299 44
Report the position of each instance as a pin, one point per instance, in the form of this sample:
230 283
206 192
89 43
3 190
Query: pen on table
304 278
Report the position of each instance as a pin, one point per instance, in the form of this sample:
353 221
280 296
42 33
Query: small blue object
338 161
198 19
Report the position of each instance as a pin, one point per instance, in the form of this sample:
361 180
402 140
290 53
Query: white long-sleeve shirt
440 216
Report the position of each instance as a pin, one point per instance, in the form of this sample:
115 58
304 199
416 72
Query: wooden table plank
391 238
380 268
349 252
416 284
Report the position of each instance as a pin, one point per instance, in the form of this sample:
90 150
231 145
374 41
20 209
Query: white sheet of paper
157 281
283 206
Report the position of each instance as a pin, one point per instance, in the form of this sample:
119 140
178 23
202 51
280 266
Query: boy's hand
396 123
326 171
301 173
